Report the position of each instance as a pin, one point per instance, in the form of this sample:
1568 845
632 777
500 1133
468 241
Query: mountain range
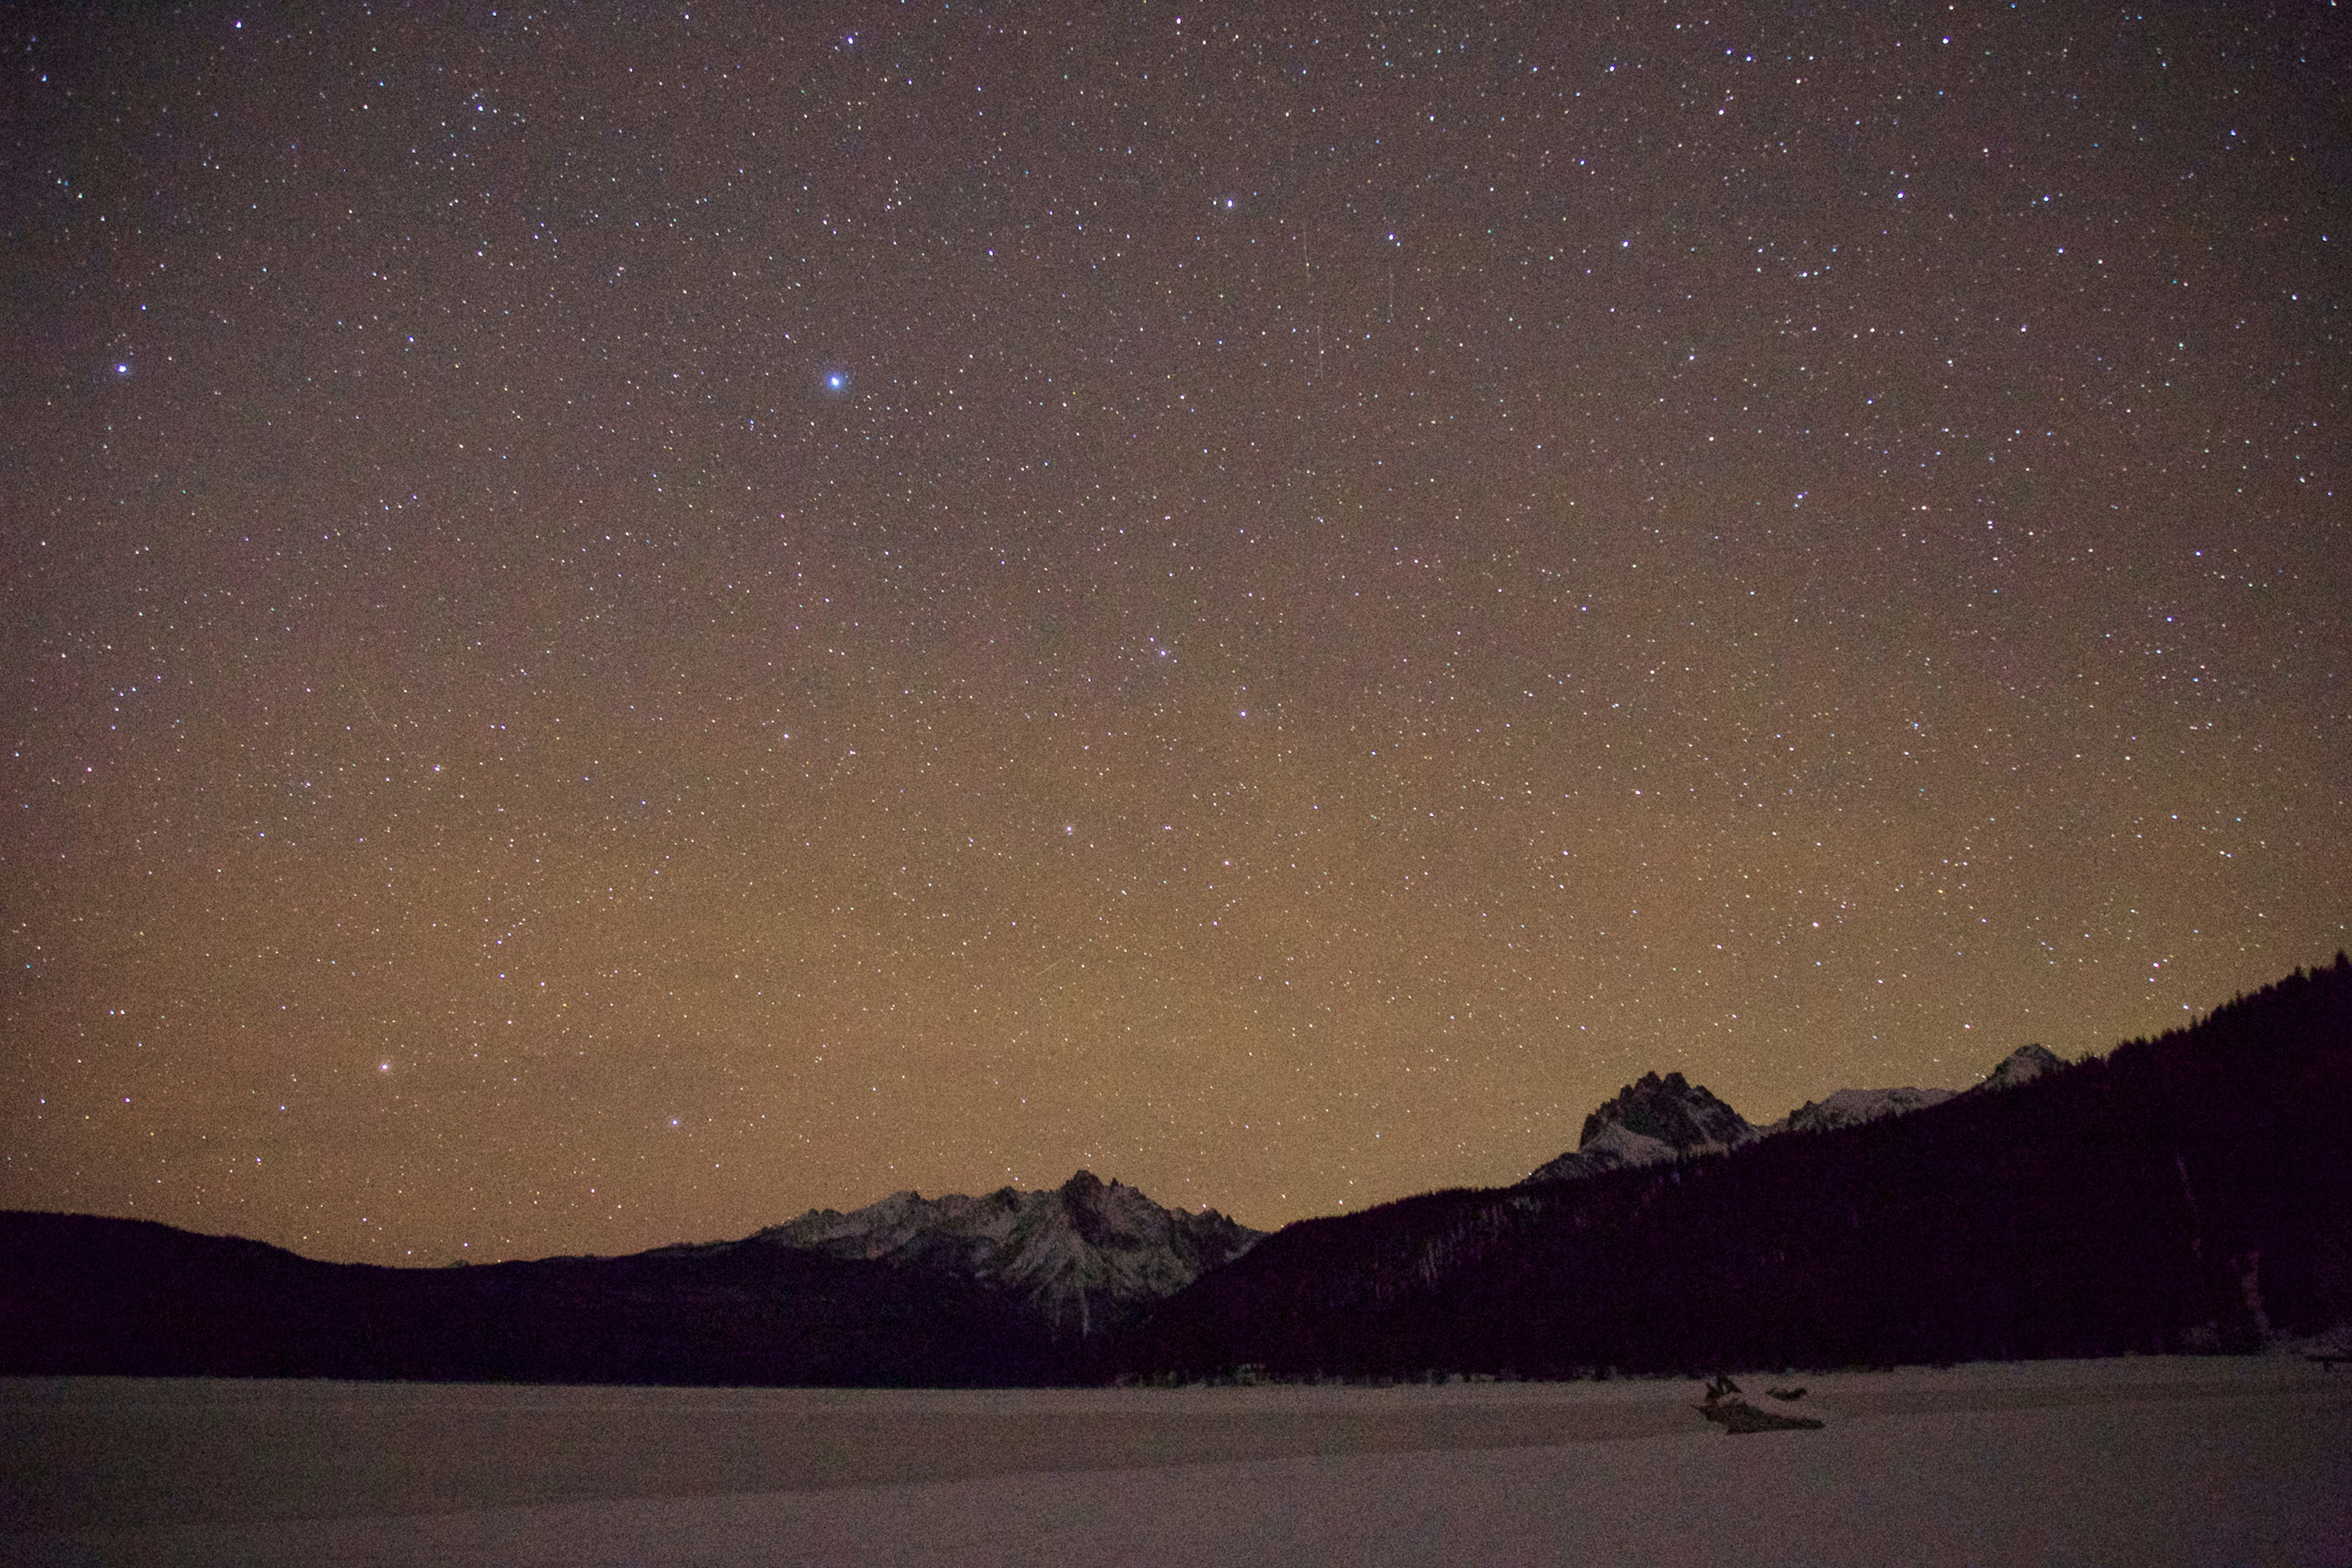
2184 1193
1655 1118
1082 1257
1010 1288
2191 1192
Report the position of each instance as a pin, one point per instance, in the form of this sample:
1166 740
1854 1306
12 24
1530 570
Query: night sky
624 623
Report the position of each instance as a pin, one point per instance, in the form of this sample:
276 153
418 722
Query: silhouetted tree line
80 1294
2189 1193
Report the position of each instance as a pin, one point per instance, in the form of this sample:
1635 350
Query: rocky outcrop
1651 1121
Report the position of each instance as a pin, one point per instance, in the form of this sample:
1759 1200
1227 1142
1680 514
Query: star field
624 626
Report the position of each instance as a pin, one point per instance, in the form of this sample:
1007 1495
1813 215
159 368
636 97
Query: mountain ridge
2177 1195
2182 1194
1655 1120
1083 1255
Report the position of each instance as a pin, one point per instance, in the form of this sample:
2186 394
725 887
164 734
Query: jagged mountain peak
1074 1251
1650 1120
1671 1110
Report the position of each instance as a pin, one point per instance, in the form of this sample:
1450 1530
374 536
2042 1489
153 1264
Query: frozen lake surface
2145 1461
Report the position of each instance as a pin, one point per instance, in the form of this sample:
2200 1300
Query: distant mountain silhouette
80 1294
2193 1192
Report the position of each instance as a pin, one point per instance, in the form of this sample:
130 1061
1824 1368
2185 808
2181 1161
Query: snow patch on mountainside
2022 1065
1852 1107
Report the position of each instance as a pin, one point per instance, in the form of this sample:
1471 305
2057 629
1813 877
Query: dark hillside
2193 1192
83 1294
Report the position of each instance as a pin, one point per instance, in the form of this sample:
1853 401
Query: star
1829 643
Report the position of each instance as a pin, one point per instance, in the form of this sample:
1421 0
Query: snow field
2155 1460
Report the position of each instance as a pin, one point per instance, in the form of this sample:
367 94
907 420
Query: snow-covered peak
1670 1111
1652 1119
1072 1250
2022 1065
1851 1107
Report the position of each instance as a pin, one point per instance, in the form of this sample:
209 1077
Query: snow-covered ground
2142 1460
